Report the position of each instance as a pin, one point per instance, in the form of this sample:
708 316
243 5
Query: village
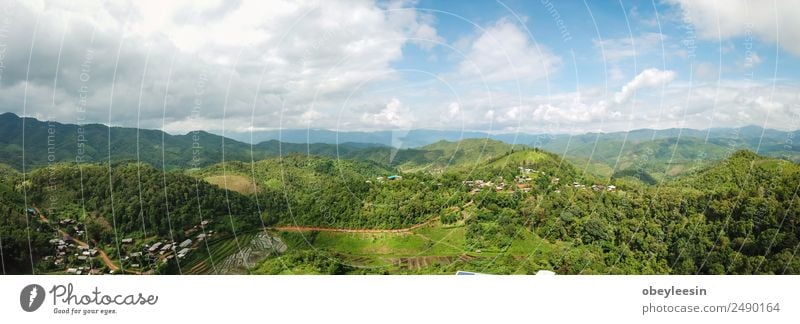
522 182
74 256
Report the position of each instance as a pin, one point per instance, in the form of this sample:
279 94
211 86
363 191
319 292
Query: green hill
437 157
440 156
661 155
138 198
751 212
47 142
320 191
18 235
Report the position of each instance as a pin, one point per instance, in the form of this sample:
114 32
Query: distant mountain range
661 152
421 137
46 142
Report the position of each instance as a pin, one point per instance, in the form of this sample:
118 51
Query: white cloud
771 21
646 79
299 59
393 115
505 52
453 110
571 110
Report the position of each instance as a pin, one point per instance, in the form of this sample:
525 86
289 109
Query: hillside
750 203
714 221
91 143
137 197
440 156
320 191
658 155
16 233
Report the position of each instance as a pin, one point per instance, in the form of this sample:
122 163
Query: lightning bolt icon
33 294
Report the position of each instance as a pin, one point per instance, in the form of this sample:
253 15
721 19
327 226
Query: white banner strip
399 299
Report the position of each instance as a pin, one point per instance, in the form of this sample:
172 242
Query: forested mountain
102 205
55 142
439 156
663 154
398 138
739 216
653 155
319 191
416 138
138 198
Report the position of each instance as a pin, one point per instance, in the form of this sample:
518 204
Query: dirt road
103 255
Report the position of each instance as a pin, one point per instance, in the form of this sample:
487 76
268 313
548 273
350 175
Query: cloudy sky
505 66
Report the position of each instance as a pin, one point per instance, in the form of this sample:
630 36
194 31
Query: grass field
233 182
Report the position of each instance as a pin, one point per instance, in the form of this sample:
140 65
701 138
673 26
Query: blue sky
529 66
626 21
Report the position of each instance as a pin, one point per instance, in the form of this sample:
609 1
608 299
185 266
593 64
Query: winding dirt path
103 256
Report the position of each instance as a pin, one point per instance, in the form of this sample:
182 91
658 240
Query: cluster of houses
599 187
479 184
197 228
83 270
74 257
64 250
73 226
165 250
68 254
595 187
523 180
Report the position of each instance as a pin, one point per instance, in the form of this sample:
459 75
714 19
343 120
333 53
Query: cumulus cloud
394 115
279 63
646 79
453 110
773 21
505 52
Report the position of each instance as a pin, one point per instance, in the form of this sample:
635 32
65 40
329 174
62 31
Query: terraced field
429 249
232 255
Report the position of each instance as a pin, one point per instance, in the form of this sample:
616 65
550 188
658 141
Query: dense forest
316 191
16 232
738 216
48 142
138 198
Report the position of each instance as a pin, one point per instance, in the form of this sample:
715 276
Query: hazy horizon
240 136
